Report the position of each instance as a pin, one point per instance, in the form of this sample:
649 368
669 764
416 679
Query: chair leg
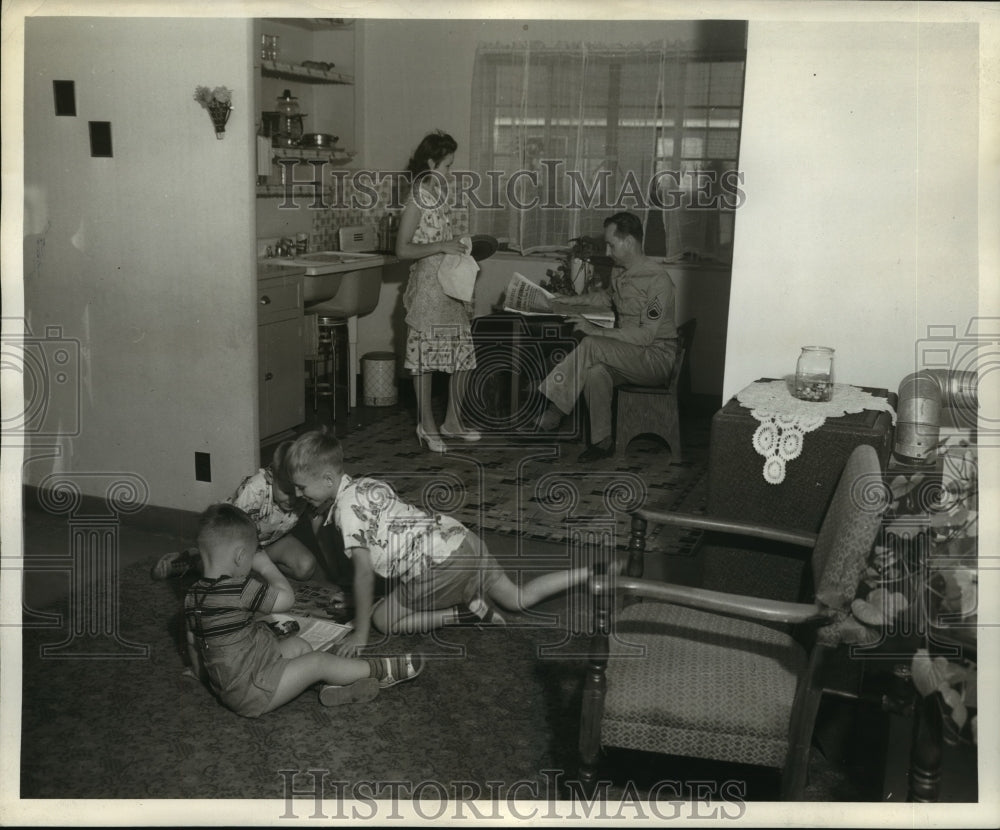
592 709
333 379
800 729
313 380
673 431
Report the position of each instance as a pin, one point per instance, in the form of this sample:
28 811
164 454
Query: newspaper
318 632
525 297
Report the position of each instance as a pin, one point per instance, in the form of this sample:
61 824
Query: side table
736 486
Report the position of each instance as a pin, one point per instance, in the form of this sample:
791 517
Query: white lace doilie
785 420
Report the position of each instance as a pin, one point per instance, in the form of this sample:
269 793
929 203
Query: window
563 137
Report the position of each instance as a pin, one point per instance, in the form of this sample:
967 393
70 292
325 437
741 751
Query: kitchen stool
323 359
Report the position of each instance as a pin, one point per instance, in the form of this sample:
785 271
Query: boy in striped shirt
247 666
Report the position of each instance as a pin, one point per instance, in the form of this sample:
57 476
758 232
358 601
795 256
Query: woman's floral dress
440 334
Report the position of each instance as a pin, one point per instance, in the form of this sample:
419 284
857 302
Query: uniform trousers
599 364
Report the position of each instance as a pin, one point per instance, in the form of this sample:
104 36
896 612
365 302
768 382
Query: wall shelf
334 156
294 72
316 24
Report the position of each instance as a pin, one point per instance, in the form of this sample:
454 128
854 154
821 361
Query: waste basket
378 372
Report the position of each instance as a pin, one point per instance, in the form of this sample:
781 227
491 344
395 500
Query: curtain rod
600 50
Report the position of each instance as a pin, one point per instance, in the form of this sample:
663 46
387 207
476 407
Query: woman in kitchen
439 337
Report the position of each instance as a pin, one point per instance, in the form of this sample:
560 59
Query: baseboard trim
151 517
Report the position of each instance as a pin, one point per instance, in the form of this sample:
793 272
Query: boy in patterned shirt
441 571
268 498
246 665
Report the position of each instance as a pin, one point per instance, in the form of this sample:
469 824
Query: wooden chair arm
755 608
701 522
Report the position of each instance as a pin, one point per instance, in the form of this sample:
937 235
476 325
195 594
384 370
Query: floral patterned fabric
255 497
440 336
402 540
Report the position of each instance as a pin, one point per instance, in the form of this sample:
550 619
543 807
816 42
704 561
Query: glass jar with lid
814 374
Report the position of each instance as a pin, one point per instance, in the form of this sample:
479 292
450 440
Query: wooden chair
706 674
654 410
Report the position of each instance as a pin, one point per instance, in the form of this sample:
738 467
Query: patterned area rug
535 489
493 709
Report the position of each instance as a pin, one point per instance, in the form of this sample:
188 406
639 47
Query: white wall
145 258
860 152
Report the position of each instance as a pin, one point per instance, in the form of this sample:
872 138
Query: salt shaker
814 374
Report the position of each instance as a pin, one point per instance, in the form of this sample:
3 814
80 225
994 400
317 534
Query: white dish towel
263 156
457 273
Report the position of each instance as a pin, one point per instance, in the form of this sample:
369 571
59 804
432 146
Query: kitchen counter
267 270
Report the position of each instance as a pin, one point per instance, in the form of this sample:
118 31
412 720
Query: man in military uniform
640 349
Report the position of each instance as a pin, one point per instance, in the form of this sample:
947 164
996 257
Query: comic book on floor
526 297
318 632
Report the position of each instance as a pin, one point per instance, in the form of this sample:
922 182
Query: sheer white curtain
563 136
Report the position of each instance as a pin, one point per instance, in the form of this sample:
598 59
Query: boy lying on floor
443 573
248 667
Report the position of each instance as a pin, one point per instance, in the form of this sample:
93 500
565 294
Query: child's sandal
397 669
339 599
360 691
175 564
479 613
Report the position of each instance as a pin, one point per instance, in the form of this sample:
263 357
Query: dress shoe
596 452
464 434
434 442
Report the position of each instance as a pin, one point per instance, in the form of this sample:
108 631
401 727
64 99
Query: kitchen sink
324 270
332 257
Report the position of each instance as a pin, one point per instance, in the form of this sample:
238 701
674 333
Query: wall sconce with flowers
219 104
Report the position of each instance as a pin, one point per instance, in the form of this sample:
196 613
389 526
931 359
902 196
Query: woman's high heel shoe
465 434
434 442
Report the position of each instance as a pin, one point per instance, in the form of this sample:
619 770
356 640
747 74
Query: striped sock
389 671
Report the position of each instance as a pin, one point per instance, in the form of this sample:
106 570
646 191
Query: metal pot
321 141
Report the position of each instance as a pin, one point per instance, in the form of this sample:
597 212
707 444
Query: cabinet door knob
265 300
269 376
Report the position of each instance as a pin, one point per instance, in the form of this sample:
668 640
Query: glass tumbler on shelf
814 374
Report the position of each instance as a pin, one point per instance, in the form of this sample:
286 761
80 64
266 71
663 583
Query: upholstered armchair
707 674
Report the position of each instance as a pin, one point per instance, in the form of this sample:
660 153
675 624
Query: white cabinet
281 383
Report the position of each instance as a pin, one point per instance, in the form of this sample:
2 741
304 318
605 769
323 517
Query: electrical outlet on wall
202 466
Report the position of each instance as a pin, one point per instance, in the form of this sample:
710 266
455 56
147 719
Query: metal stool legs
324 365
